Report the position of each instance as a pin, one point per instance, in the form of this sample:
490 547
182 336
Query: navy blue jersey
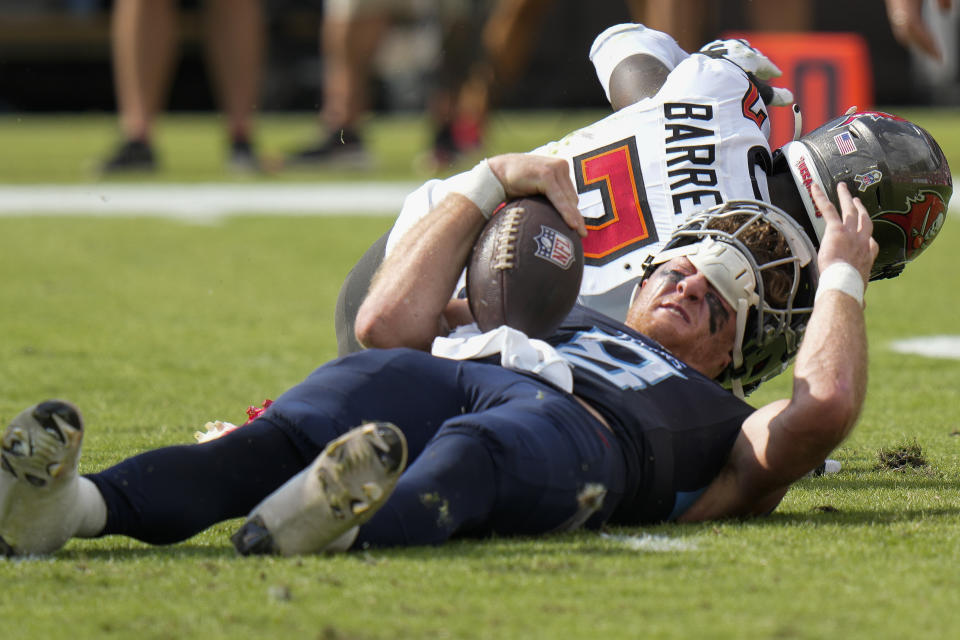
678 424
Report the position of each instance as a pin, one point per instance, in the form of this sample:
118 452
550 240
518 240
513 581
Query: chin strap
742 309
797 122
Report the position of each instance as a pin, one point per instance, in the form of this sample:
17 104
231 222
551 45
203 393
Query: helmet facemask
771 294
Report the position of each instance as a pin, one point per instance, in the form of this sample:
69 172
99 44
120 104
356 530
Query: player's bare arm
409 296
782 441
635 78
633 62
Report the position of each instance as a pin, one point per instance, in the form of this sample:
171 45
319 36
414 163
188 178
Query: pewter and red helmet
895 167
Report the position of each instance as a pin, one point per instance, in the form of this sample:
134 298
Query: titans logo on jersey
624 363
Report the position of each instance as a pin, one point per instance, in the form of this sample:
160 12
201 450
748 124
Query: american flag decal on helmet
554 246
845 143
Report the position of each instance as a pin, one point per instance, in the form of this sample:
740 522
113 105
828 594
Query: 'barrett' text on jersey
691 151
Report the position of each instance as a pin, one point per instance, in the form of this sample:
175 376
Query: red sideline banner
827 72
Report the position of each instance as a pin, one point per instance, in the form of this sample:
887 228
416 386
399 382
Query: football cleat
38 478
825 468
320 507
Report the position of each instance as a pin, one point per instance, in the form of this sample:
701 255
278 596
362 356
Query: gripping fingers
564 197
853 211
847 208
526 174
826 208
865 223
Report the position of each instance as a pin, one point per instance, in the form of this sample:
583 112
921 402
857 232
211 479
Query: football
525 269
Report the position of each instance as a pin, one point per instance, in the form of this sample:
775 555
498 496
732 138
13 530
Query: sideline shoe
39 486
242 158
132 155
455 140
320 507
342 149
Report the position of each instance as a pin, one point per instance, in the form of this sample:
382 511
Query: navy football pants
490 451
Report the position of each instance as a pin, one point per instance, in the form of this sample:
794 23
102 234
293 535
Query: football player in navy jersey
639 432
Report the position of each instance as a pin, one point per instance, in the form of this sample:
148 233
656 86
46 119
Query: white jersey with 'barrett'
700 141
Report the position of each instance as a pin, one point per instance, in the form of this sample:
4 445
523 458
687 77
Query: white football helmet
768 333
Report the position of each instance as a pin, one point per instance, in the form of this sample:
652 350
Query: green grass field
155 326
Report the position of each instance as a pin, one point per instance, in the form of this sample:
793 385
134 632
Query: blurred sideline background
59 120
55 57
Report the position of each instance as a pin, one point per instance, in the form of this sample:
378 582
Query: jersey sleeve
717 79
621 41
415 206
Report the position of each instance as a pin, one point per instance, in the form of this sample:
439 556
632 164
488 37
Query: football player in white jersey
690 132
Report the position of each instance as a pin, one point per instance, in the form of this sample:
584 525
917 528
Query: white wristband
841 276
480 186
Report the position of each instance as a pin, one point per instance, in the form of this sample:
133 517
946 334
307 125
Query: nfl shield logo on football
554 246
867 179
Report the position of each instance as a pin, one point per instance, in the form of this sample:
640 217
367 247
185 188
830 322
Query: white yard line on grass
651 543
947 347
204 201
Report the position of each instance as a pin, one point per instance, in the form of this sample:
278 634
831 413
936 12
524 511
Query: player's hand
909 28
524 174
757 65
848 235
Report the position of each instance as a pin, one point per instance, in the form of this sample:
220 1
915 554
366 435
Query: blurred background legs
452 61
235 53
142 34
350 34
144 44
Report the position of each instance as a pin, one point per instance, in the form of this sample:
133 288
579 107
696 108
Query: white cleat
320 508
39 486
826 468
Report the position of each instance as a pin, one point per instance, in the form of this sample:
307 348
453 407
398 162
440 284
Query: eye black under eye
673 275
718 313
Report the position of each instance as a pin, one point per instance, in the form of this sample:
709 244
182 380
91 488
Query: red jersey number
626 224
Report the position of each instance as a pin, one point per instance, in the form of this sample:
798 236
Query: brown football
525 269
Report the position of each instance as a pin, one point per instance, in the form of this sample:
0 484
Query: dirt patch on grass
901 457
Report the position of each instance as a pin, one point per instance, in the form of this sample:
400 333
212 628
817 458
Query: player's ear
722 363
727 359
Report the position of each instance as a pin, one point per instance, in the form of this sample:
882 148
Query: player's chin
669 329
